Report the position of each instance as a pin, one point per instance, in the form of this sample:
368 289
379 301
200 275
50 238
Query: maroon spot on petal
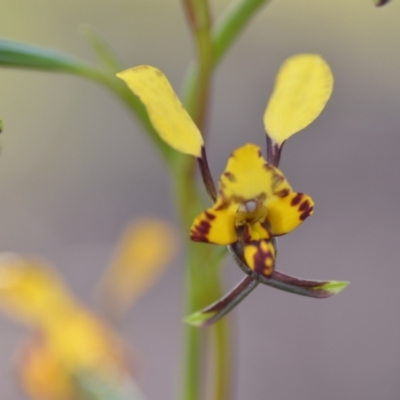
283 193
305 205
246 234
259 153
209 216
306 213
268 167
224 205
277 179
296 199
200 232
230 176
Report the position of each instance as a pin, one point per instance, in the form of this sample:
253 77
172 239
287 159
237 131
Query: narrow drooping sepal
291 284
303 287
166 112
302 88
213 313
309 288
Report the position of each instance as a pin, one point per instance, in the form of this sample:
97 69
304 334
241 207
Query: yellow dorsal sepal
166 112
303 87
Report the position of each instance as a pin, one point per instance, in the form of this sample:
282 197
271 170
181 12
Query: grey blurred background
75 168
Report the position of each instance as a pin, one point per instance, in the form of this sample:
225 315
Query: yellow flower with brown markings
254 202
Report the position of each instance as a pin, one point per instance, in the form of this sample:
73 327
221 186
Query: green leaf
21 55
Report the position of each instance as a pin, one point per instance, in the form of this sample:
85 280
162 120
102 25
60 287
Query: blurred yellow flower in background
145 248
72 353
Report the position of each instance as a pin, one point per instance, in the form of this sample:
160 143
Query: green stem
189 204
210 49
231 24
220 342
202 280
196 96
222 353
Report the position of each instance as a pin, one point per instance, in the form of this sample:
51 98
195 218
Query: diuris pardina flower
254 202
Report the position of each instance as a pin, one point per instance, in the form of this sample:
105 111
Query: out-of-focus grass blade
21 55
104 53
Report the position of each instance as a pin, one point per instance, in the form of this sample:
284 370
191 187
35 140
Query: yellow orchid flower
254 201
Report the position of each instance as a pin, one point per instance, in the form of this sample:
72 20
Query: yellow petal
260 257
166 112
30 290
216 225
247 177
303 86
144 250
287 213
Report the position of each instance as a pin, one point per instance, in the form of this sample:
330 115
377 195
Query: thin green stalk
231 24
223 34
196 96
203 285
189 204
222 353
211 46
199 282
221 346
